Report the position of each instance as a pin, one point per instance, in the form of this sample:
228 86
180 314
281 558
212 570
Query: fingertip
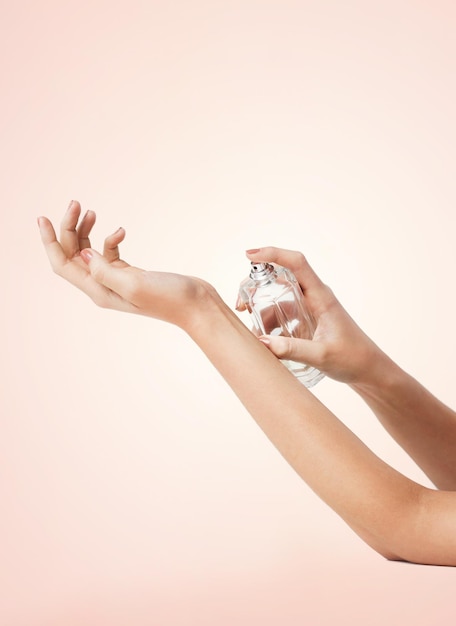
240 304
46 229
266 253
116 237
74 209
86 255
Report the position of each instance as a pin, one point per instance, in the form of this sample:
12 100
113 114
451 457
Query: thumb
104 272
302 350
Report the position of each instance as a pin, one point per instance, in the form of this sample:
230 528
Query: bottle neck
262 273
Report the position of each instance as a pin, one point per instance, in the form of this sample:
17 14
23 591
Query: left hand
111 282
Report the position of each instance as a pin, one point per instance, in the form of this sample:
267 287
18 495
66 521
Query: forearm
393 514
375 500
417 420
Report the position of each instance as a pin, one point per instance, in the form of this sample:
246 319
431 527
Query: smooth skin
396 516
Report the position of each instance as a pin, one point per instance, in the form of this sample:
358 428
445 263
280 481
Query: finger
120 279
300 350
84 229
295 261
240 304
73 271
54 250
111 245
59 261
68 233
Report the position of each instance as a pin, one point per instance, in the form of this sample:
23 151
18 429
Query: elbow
398 533
401 553
423 531
390 556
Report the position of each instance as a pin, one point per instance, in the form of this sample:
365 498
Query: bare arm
396 516
418 421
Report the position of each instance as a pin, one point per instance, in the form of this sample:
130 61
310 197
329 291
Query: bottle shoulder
279 285
274 291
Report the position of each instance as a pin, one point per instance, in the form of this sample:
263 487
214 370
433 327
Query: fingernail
38 222
253 251
86 254
265 340
70 205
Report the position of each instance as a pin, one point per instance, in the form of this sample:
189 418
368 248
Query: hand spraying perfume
273 297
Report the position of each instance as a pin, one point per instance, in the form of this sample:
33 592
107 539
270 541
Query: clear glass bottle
273 297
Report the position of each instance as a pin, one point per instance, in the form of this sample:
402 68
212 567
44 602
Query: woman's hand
339 347
112 283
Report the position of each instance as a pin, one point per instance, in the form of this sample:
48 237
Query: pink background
135 488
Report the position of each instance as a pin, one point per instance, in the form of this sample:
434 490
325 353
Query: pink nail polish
70 205
253 251
86 255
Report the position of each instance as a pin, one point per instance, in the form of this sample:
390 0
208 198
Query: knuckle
329 291
288 346
301 259
301 266
283 347
329 296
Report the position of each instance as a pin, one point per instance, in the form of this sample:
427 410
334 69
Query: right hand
339 348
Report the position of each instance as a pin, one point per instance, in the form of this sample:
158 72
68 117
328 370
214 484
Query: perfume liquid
273 297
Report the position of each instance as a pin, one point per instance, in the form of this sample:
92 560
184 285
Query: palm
66 260
115 284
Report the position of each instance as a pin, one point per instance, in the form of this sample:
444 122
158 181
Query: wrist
203 303
380 376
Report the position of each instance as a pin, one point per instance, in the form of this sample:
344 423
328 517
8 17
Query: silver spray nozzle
260 270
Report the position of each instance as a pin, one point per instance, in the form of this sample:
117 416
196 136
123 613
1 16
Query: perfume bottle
273 297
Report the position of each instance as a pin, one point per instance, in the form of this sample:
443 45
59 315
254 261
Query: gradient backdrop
134 487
